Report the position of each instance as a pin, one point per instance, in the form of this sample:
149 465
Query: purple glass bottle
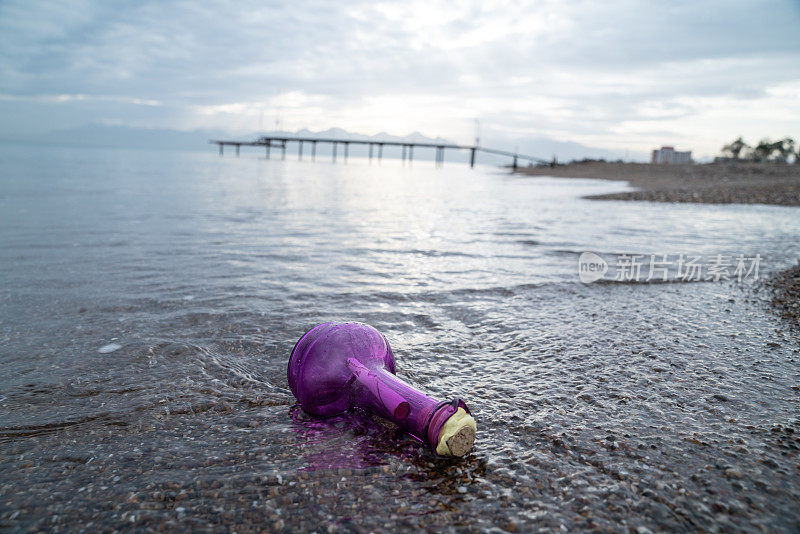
338 366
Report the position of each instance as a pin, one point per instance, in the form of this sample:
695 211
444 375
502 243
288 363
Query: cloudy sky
612 74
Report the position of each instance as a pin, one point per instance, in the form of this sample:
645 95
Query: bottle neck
381 392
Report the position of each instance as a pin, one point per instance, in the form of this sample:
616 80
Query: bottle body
335 367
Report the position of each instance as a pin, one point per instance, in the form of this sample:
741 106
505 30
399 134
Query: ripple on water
668 406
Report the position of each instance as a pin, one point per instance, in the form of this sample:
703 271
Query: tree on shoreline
785 148
734 148
764 151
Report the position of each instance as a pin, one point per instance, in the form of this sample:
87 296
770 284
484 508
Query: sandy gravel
741 183
785 287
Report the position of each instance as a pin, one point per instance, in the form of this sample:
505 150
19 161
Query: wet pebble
732 472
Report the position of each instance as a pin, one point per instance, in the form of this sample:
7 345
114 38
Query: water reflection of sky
319 226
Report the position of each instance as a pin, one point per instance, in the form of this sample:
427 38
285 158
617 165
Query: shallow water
150 300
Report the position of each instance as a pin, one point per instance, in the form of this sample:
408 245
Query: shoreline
711 183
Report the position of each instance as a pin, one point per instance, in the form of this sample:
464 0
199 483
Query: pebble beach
713 183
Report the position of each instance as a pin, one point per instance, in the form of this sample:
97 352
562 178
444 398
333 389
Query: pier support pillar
346 151
410 154
370 152
514 165
380 152
283 150
403 157
472 157
313 150
334 151
237 150
266 148
300 150
221 149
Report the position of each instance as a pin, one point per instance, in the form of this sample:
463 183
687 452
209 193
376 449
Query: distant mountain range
102 135
339 133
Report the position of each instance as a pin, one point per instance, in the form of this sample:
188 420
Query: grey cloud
189 54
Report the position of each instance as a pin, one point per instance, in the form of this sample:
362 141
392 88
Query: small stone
719 507
107 349
462 489
732 472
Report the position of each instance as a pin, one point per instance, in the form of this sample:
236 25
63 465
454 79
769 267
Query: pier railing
270 142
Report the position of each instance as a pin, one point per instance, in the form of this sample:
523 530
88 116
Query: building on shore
668 154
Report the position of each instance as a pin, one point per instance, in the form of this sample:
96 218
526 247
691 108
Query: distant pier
375 148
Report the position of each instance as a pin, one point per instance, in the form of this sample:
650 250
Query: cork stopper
457 435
